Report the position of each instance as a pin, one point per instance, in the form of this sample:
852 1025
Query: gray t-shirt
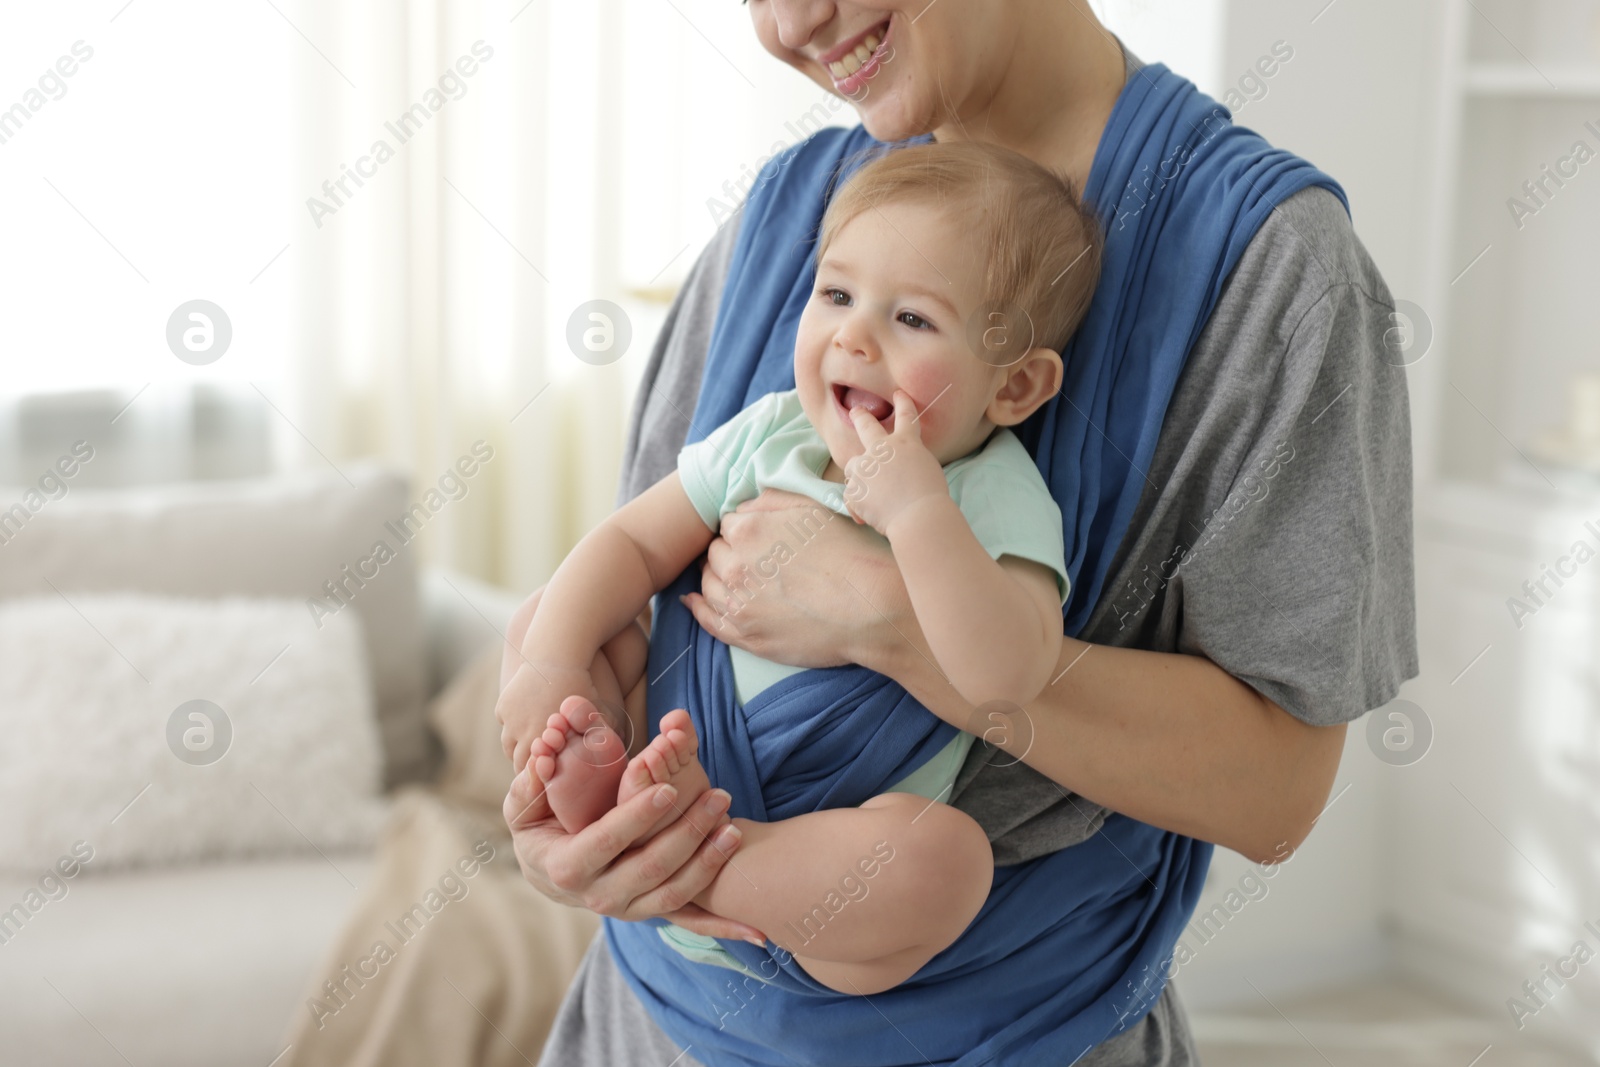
1273 537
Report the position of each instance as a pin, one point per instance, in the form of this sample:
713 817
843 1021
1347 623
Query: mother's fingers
525 802
694 918
579 862
709 618
721 556
714 589
614 887
534 835
709 844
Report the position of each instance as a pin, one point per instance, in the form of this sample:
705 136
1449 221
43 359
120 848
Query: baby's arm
600 587
994 626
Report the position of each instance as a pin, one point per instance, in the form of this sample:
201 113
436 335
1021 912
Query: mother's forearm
1169 739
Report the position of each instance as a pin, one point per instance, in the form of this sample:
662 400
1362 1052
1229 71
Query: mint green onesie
771 444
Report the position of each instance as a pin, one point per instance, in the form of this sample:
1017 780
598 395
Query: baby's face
889 311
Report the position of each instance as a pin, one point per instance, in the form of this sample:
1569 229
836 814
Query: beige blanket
449 957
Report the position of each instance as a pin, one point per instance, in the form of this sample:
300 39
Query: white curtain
589 155
417 322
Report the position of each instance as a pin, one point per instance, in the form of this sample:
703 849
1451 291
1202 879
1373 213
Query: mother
1256 596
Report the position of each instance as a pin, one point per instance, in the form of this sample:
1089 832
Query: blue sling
1071 948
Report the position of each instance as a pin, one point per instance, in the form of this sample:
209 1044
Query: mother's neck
1051 100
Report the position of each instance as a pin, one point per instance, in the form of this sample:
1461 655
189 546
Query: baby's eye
913 320
836 297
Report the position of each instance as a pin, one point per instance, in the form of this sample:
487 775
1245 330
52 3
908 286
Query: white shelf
1572 81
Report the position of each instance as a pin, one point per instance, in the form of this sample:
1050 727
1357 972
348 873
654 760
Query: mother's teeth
854 61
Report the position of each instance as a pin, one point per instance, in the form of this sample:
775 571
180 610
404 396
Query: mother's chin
889 120
893 99
892 109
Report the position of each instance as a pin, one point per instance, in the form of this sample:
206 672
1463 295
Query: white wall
1312 920
1494 873
1358 100
1186 35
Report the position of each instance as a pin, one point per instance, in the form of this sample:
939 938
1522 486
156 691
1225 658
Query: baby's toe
636 777
660 770
671 753
579 713
677 719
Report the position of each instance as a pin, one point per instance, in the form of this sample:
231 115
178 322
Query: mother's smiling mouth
852 63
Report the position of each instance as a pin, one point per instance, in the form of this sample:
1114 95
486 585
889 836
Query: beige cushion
476 770
281 537
482 980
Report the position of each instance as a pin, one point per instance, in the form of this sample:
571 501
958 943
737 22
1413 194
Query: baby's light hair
1041 243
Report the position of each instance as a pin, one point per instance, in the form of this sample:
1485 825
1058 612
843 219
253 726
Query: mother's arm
1170 739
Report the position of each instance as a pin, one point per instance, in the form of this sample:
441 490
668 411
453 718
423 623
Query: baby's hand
533 694
896 470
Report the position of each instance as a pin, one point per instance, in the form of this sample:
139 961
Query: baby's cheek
923 381
808 375
809 344
927 386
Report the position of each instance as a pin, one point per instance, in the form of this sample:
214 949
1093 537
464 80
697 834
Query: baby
949 278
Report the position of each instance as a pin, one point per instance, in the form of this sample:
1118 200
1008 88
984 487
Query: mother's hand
792 581
597 869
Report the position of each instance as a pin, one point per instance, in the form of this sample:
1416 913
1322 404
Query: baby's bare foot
669 758
580 759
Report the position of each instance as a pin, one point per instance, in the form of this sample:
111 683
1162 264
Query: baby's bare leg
624 657
862 897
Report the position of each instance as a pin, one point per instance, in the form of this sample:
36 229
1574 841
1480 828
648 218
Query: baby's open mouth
848 397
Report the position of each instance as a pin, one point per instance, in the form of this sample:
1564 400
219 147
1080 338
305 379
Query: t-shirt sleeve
1012 513
1301 582
716 471
1277 541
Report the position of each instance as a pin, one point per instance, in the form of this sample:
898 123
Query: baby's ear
1029 382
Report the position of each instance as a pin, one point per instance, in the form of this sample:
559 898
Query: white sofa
202 964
